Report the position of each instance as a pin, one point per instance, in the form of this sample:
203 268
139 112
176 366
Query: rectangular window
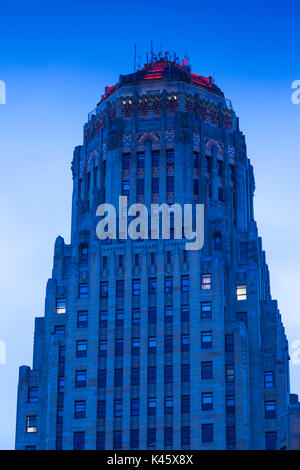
270 409
155 185
241 292
135 407
168 405
170 184
206 370
140 160
60 306
170 157
80 409
152 344
101 409
140 186
119 347
207 432
151 406
84 253
82 319
230 404
229 373
230 436
117 440
134 439
155 158
61 354
102 347
100 440
80 378
121 261
185 343
185 283
103 319
151 438
229 343
81 348
207 401
120 318
152 315
31 423
206 339
33 394
60 415
102 378
136 287
168 314
104 289
269 379
118 377
185 313
168 437
206 310
205 281
125 188
135 346
185 436
168 285
168 374
151 375
152 285
185 404
242 316
79 440
168 344
59 330
135 376
120 288
185 373
271 438
125 161
118 408
61 384
83 290
136 316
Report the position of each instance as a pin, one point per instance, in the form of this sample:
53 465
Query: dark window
229 343
103 319
169 257
120 288
59 330
244 251
119 347
206 339
61 384
196 158
125 161
168 314
168 285
151 375
140 186
101 409
136 287
118 408
185 436
135 407
168 405
185 372
185 343
185 312
242 316
83 290
119 317
100 444
81 348
207 401
125 188
151 406
152 315
170 157
80 409
196 186
134 438
269 379
135 376
170 184
168 437
208 164
152 344
140 160
155 158
33 394
121 261
230 436
232 172
61 354
117 440
152 259
118 377
185 404
152 284
220 198
230 404
136 316
84 253
168 344
185 283
103 289
270 409
217 240
104 262
60 415
80 378
136 259
206 310
220 168
102 378
155 185
271 438
151 438
82 319
135 346
205 281
102 347
207 432
168 374
206 370
79 440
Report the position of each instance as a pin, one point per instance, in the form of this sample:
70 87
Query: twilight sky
56 59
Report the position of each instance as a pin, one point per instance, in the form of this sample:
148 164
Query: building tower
145 344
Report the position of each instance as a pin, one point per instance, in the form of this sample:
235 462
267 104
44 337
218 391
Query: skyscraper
145 344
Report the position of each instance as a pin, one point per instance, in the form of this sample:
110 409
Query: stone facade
144 344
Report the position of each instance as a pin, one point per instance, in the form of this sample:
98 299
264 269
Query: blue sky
56 60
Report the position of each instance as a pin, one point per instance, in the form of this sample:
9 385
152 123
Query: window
208 164
135 407
102 347
155 158
185 372
244 252
135 376
232 173
100 440
220 168
168 314
33 394
31 423
270 409
220 198
168 344
168 374
125 161
170 184
185 436
136 259
151 375
152 344
125 188
101 409
136 316
271 438
229 373
185 312
170 157
140 160
118 408
119 318
206 339
206 370
229 343
82 319
151 438
168 285
152 315
135 346
140 186
269 379
84 253
121 261
185 343
207 401
185 283
168 405
242 316
136 287
185 404
155 185
207 432
196 186
61 384
80 409
134 438
79 440
217 241
120 288
102 378
196 158
205 281
152 284
104 262
103 319
61 354
118 377
151 406
117 440
60 415
80 378
230 436
169 257
206 310
152 259
59 330
168 437
241 292
230 404
119 347
104 289
60 306
83 290
81 348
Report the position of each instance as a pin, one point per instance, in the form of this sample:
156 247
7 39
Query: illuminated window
136 316
229 373
185 283
31 423
60 306
230 404
102 347
125 188
168 285
168 314
205 281
135 346
152 344
168 405
136 287
80 378
59 330
241 292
